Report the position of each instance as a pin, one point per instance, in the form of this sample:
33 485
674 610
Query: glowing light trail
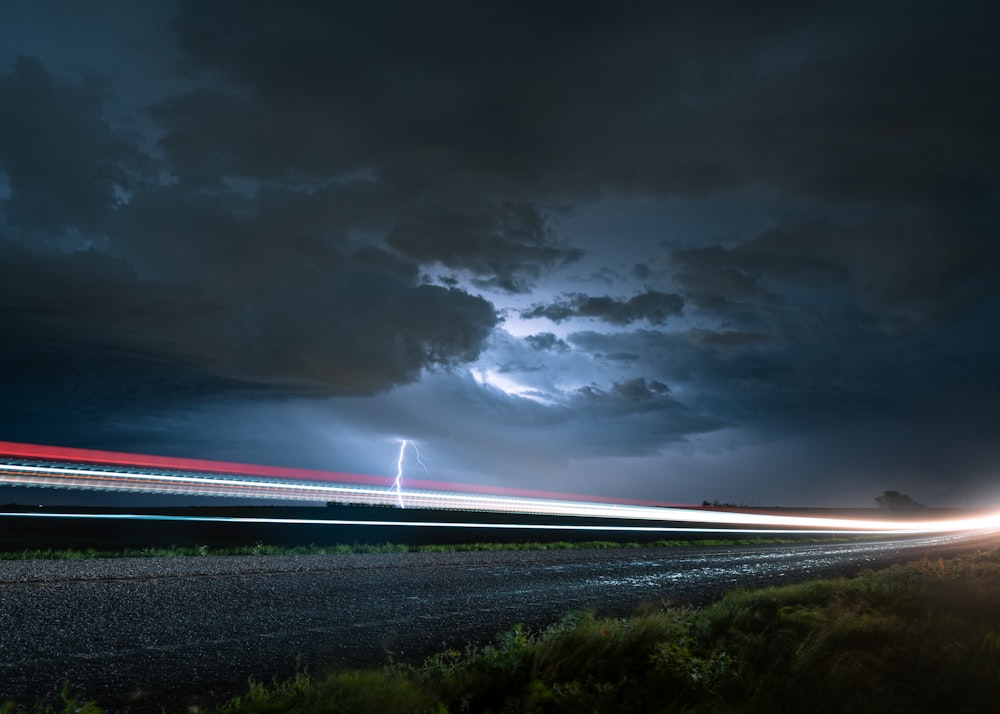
13 452
447 524
10 450
164 476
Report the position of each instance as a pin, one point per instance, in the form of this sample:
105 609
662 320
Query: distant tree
896 501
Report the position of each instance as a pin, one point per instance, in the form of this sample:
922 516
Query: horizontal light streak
41 453
93 478
90 477
447 524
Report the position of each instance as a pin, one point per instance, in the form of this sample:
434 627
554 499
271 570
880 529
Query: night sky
673 251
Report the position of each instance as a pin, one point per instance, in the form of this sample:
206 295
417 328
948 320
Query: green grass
917 638
376 692
264 549
67 704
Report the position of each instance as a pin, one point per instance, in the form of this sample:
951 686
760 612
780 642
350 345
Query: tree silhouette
896 501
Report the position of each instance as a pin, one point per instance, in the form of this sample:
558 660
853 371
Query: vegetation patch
922 637
264 549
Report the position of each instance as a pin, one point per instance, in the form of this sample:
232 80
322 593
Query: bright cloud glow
510 386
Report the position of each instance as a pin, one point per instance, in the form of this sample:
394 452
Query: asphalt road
136 633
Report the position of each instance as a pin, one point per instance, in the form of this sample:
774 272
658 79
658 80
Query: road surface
137 633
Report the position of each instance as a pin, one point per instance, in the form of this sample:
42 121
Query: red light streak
38 452
97 470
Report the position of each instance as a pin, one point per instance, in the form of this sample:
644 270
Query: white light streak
702 520
448 524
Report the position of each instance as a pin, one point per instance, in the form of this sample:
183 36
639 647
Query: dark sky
673 251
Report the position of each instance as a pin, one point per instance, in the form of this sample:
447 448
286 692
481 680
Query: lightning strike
398 483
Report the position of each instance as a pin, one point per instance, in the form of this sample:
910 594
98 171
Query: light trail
10 451
80 469
448 524
17 452
183 484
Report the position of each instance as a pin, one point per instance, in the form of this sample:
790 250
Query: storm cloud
652 306
387 220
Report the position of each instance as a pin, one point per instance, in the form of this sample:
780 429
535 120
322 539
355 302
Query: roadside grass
374 692
917 638
67 704
362 548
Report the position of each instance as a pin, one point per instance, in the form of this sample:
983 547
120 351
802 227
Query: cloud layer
581 233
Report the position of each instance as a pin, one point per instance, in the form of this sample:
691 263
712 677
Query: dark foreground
135 634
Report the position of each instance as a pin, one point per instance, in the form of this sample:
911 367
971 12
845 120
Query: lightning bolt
398 483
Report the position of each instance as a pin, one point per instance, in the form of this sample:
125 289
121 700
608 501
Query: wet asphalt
138 634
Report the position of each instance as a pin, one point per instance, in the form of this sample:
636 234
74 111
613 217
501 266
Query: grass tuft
372 692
